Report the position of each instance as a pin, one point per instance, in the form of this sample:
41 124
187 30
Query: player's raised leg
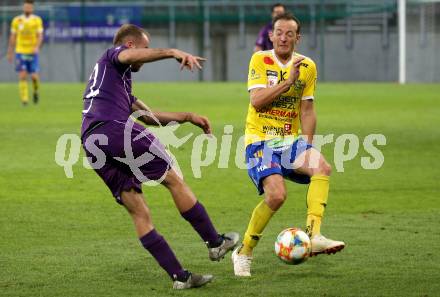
313 164
274 197
194 212
157 245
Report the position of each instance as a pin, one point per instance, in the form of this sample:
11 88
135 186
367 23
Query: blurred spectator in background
263 42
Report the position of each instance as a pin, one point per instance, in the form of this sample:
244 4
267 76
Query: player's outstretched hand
187 60
201 122
294 70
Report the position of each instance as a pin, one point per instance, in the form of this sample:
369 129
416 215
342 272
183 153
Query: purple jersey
263 38
108 92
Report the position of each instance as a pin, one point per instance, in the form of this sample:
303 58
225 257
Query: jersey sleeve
40 28
14 26
113 54
311 78
257 77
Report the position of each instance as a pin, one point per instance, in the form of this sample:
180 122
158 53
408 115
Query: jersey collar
283 66
25 17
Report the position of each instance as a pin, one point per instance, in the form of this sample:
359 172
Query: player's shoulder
18 18
307 62
265 53
261 55
115 49
109 52
35 17
110 56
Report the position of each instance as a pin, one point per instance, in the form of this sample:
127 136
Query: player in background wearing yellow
26 37
280 127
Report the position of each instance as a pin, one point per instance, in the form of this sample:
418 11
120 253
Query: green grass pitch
66 237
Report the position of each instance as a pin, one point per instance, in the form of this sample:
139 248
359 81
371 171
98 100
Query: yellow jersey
26 30
280 119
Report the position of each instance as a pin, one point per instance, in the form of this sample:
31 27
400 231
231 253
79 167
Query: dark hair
128 30
277 5
28 1
287 16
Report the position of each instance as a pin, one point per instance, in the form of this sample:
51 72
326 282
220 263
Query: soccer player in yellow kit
281 84
26 37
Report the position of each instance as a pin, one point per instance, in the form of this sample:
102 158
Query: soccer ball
293 246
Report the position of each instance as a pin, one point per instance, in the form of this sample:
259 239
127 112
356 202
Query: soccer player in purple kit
108 105
263 42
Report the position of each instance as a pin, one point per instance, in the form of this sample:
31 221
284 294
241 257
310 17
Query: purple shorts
125 168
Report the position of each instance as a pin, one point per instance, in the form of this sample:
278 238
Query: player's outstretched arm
146 55
164 117
265 96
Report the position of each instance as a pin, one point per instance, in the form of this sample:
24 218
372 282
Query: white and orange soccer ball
293 246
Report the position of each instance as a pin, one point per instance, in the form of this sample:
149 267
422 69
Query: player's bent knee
326 168
172 180
323 169
275 199
139 212
134 203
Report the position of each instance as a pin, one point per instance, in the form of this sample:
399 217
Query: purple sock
161 251
199 219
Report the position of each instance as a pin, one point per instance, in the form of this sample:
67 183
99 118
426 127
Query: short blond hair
128 30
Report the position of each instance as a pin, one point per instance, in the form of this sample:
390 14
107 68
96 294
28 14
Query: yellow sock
260 217
23 88
317 196
36 85
313 225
